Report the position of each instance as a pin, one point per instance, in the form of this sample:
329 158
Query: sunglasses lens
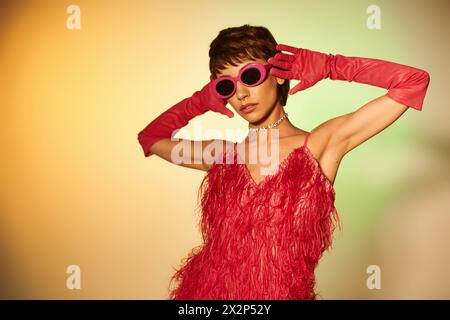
225 87
251 76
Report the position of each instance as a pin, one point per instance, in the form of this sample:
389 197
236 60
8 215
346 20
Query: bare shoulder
316 143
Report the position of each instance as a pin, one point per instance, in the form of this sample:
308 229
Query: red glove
179 116
407 85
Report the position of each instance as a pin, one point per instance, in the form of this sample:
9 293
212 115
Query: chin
254 120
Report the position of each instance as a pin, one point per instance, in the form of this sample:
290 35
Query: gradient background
75 187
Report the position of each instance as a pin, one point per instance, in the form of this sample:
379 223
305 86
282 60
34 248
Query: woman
264 231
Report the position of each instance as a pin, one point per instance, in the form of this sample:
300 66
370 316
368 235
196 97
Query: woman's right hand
209 101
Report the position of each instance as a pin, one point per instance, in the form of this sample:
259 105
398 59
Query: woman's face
265 95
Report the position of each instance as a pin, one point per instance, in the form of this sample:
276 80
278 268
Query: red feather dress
260 240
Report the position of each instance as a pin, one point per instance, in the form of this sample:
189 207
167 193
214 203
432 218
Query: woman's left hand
305 65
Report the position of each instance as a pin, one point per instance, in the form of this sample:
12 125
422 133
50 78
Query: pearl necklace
270 126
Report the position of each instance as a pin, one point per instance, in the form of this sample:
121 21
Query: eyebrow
239 70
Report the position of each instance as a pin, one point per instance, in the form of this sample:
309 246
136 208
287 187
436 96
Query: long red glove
179 116
407 85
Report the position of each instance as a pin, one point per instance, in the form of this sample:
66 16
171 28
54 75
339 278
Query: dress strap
235 150
306 139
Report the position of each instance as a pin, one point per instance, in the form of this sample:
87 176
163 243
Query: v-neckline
268 177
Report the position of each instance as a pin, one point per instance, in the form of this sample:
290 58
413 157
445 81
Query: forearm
165 124
407 85
179 115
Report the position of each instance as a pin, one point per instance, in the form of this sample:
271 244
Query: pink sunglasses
251 75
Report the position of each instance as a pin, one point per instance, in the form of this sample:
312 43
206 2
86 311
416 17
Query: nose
241 90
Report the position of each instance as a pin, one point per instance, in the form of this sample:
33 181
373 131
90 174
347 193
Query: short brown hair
235 44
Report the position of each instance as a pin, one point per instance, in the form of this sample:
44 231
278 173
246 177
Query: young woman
265 233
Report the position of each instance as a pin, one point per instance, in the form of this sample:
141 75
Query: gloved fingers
298 87
281 64
304 84
284 57
224 110
285 47
280 73
229 113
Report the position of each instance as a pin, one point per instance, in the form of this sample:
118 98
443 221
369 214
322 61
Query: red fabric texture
260 240
406 85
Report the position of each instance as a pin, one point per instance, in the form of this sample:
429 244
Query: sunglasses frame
263 68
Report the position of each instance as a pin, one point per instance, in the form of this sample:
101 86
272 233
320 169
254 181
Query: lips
246 108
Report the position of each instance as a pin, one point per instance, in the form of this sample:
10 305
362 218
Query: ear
280 81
